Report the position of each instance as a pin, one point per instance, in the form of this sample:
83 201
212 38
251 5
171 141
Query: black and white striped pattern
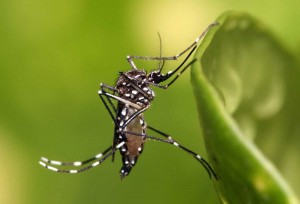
44 162
169 140
133 94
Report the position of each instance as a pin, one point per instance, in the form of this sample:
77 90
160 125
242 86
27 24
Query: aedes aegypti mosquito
133 94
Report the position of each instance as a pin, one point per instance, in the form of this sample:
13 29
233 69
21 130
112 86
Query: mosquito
133 94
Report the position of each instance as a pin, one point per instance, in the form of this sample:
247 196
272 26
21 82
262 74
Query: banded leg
76 163
75 171
203 162
169 140
175 57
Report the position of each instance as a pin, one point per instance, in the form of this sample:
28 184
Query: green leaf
240 84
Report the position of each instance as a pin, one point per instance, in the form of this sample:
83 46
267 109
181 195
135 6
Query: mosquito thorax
134 86
133 95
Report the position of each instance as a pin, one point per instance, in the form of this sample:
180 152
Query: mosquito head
155 77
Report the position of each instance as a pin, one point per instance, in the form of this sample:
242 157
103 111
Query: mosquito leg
196 156
160 132
105 86
165 77
109 96
175 57
100 92
112 106
140 110
204 163
108 109
175 78
134 115
76 163
75 171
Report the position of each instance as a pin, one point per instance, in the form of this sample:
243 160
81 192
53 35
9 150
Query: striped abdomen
134 143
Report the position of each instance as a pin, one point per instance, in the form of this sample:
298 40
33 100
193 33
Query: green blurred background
53 56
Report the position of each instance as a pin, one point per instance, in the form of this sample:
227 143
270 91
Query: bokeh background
54 54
